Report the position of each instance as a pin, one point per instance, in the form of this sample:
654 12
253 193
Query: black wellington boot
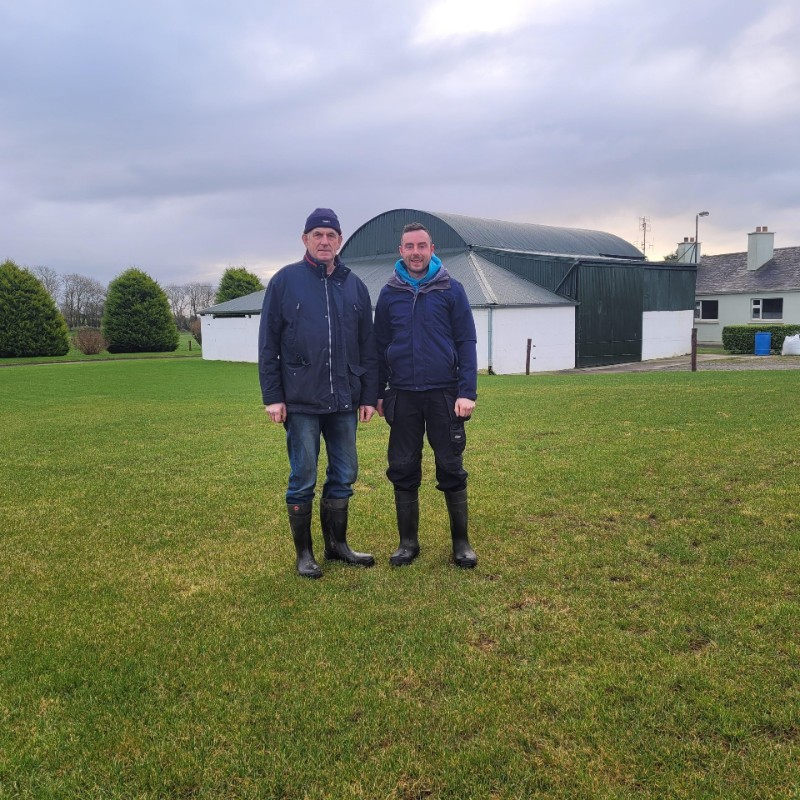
300 522
463 555
407 508
333 516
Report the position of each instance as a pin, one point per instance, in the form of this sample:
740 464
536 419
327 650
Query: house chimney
687 249
760 247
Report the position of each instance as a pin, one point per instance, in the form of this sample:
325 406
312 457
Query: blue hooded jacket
425 334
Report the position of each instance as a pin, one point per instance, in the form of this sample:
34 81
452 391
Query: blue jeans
303 432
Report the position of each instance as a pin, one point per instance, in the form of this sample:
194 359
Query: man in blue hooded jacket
427 375
318 371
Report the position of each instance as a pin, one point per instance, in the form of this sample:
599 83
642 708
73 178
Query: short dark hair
416 226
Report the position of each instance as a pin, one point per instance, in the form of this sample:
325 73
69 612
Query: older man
426 340
318 373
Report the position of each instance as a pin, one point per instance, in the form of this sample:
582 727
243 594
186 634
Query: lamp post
697 231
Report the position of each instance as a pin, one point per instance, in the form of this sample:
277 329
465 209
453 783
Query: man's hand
379 408
464 407
365 413
276 412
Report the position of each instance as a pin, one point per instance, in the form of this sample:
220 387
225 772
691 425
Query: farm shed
582 297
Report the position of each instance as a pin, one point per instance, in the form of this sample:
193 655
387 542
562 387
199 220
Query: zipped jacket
426 337
316 348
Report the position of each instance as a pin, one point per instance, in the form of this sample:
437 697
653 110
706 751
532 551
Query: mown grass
631 629
187 348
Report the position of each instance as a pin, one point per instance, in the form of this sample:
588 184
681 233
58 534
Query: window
766 308
706 310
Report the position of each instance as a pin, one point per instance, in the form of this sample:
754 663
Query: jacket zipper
330 335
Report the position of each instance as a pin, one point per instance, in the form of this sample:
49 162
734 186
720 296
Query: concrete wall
666 334
551 331
230 338
735 309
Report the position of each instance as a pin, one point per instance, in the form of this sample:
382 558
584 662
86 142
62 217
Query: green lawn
187 348
631 630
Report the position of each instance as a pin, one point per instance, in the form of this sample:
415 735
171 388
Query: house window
706 310
766 308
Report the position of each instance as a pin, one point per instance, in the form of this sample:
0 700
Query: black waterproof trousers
411 416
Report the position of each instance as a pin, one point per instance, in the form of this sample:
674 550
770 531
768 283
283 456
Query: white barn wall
230 338
551 331
666 334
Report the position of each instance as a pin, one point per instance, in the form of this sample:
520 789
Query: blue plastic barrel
763 343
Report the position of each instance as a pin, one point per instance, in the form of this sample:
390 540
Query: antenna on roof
644 229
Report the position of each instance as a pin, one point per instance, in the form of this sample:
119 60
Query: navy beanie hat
323 218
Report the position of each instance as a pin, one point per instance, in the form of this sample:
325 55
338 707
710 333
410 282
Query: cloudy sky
185 136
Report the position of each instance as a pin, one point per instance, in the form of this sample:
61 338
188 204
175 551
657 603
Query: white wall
666 334
230 338
551 331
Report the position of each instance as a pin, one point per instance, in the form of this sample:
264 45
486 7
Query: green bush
30 323
237 282
742 338
137 317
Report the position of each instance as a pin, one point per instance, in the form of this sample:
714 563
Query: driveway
705 363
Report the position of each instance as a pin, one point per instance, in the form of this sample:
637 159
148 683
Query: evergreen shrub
742 338
30 322
237 282
137 317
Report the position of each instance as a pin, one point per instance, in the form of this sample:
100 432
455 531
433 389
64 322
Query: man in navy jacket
427 374
318 371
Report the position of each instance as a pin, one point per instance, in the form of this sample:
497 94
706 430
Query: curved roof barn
381 235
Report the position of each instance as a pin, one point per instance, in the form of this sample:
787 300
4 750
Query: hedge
742 338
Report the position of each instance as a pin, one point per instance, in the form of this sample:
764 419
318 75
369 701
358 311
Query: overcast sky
186 136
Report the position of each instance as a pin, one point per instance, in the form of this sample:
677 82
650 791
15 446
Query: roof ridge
482 280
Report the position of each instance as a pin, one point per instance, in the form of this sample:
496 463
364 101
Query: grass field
187 348
632 628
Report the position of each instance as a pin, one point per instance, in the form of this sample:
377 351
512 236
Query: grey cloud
186 136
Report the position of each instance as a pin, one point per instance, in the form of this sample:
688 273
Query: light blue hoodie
402 272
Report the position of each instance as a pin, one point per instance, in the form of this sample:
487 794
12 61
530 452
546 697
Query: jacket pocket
356 373
389 405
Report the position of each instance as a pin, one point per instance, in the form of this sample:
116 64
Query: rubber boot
407 508
300 522
333 516
463 555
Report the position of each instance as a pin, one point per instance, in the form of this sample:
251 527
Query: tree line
81 299
132 314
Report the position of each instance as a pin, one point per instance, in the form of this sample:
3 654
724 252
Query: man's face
323 244
416 250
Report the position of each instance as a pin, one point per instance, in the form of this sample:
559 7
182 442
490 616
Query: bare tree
178 297
82 300
200 295
50 279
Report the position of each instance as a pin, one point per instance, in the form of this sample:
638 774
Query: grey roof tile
728 274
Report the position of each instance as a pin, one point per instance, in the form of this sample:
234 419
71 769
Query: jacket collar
340 271
440 281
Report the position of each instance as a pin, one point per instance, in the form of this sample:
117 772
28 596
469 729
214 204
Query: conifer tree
30 322
137 317
237 282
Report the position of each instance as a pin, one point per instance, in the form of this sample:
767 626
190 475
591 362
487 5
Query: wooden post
694 349
528 359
